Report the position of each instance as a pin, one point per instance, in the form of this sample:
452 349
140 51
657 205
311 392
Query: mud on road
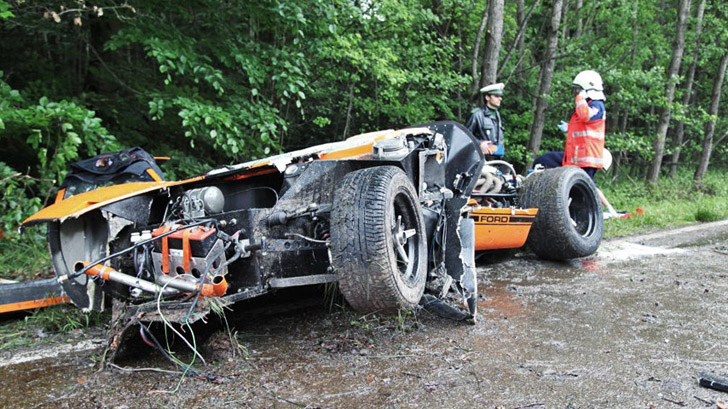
627 328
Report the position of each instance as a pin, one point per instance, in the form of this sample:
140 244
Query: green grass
671 203
43 322
62 318
25 257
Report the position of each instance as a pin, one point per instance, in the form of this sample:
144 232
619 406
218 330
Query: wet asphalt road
627 328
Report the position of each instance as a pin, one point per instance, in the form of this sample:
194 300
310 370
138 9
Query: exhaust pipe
168 285
217 288
109 274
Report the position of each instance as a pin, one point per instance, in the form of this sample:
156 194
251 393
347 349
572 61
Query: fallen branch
121 368
390 356
675 402
26 176
275 396
708 402
720 139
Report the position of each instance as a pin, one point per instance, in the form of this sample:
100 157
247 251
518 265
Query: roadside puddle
498 301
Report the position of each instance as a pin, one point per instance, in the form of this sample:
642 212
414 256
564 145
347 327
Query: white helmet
591 82
607 159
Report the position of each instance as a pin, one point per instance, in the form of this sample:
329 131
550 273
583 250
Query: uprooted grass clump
403 322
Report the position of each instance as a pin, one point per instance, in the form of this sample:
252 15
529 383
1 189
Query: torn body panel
30 295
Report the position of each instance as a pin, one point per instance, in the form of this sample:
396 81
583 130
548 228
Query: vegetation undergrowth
672 202
25 257
41 323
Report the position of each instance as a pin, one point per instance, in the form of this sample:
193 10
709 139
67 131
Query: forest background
218 82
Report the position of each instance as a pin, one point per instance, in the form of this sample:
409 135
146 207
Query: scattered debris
675 402
713 381
443 309
530 405
624 215
707 402
15 296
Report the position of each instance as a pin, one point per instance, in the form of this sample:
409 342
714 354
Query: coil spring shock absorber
321 230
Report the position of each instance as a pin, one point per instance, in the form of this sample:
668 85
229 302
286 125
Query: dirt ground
628 328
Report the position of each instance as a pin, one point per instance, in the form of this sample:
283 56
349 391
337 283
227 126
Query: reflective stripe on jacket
585 136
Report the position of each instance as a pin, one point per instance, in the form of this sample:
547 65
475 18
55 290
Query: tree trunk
710 126
476 50
545 78
635 32
564 25
579 20
680 133
348 111
493 39
672 72
460 69
522 22
520 45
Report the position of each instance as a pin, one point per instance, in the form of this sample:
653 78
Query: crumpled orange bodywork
75 206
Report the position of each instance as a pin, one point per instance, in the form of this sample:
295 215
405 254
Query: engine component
195 250
202 201
390 149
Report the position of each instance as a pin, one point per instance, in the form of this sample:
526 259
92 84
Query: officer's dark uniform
486 124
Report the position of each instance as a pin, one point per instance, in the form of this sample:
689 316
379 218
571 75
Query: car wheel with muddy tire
569 223
378 242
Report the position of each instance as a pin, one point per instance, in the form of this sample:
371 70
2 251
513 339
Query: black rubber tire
528 192
570 222
373 276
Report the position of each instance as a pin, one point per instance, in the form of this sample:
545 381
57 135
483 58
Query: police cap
493 89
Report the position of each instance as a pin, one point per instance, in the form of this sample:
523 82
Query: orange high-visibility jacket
585 136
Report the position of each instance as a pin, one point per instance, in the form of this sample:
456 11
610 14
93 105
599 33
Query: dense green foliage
212 82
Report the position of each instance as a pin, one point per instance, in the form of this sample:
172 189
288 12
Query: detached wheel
569 223
378 242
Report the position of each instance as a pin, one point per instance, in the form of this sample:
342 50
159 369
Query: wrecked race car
392 216
383 214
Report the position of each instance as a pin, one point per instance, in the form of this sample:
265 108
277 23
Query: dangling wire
168 324
150 339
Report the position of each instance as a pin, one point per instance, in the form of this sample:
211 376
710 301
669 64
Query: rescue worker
485 122
585 131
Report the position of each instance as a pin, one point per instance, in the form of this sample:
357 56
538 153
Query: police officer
485 122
